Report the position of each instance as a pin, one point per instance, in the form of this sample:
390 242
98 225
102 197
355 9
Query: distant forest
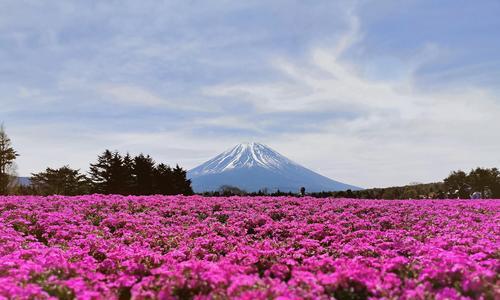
478 183
114 173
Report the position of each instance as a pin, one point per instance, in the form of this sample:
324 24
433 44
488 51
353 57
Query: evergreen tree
109 175
118 180
7 158
163 178
114 174
62 181
129 179
144 171
100 173
181 184
170 181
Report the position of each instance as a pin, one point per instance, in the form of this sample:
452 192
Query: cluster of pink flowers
159 247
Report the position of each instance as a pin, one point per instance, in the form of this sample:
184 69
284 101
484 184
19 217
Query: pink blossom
177 247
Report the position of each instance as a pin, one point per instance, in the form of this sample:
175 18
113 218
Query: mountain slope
254 166
24 180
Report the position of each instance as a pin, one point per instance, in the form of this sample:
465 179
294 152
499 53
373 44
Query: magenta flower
176 247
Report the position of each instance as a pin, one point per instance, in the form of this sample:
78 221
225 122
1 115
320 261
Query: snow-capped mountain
253 167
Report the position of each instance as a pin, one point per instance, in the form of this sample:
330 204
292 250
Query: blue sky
372 93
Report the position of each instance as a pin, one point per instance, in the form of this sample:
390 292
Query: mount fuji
253 167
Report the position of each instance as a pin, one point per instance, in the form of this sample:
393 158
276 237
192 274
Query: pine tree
170 181
100 173
129 179
181 184
7 158
118 181
109 174
163 177
144 169
62 181
114 174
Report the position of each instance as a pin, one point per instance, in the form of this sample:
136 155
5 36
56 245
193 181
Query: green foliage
414 191
143 171
140 175
111 175
229 190
7 157
485 181
457 185
62 181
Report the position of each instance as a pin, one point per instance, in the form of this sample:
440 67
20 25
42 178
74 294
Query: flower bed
113 247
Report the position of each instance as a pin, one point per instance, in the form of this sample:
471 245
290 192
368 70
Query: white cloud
133 95
139 96
256 79
401 134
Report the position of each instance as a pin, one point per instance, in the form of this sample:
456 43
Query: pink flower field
160 247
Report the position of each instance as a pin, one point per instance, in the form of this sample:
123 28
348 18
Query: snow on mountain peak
254 166
244 155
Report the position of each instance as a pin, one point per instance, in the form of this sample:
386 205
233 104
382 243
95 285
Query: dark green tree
229 190
409 193
129 179
7 157
486 181
100 173
62 181
144 172
139 175
457 186
168 181
109 174
181 184
163 177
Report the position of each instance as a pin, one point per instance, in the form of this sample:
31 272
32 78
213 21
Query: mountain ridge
254 166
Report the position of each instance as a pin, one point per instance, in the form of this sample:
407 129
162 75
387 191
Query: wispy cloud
124 94
372 93
395 123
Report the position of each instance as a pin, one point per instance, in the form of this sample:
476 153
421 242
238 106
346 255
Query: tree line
139 175
230 190
478 183
112 173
